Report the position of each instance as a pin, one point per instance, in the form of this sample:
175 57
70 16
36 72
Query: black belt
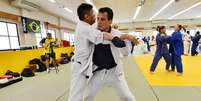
99 69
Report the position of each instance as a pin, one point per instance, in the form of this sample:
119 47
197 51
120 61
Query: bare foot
179 74
168 70
151 72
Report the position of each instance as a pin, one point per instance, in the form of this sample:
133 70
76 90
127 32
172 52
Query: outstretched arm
119 43
130 38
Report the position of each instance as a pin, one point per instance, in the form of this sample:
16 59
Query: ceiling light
137 12
198 16
183 11
67 9
162 9
53 1
94 7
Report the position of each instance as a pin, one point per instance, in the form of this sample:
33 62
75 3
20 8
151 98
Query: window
66 36
8 36
43 30
38 38
69 37
192 32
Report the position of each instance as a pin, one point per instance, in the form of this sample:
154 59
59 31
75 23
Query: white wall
44 17
148 24
68 24
5 6
29 38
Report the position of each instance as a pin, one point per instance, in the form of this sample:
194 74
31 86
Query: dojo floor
161 86
191 68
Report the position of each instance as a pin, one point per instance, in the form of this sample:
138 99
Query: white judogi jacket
88 66
117 52
85 38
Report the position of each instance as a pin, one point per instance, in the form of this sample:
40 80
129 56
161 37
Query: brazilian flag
31 25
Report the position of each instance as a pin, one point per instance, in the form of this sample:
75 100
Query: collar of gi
109 31
85 23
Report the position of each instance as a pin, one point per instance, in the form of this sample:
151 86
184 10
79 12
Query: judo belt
76 61
99 69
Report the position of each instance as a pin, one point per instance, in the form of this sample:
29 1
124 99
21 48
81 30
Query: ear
110 21
86 16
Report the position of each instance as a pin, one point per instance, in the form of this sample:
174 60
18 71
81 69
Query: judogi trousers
156 59
78 83
111 78
177 61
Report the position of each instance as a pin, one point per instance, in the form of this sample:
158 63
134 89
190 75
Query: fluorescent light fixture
67 9
162 9
137 12
94 7
183 11
53 1
198 16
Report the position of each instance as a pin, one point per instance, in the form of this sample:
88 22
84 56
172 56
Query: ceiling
124 10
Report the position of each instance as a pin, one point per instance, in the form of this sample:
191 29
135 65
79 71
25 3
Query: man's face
90 17
103 22
49 36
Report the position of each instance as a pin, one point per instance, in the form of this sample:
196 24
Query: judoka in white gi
107 68
85 38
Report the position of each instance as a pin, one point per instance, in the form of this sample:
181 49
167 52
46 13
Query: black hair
198 33
181 27
159 28
188 32
108 11
49 33
83 9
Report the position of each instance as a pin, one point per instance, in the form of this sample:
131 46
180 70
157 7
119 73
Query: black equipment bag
41 65
27 72
43 58
14 74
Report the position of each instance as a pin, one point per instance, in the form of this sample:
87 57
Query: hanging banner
31 25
